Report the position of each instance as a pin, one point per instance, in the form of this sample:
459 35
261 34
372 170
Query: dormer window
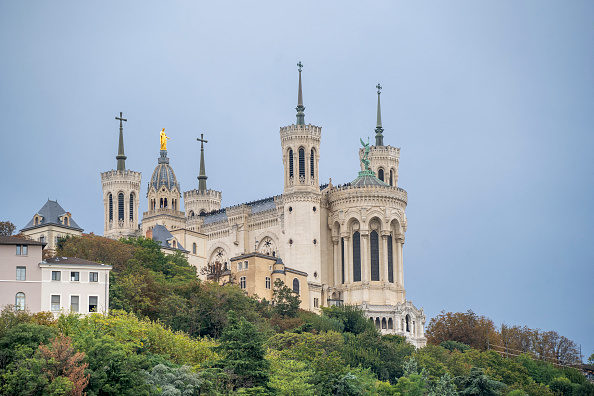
36 220
65 221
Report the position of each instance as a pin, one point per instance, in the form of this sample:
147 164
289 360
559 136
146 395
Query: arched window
311 164
191 214
268 283
242 282
390 260
131 207
194 248
120 206
290 163
19 301
407 324
301 162
356 257
391 177
110 207
374 242
165 202
296 285
377 323
390 324
384 324
380 174
161 203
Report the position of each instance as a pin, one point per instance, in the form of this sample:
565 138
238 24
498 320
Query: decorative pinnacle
202 176
300 108
379 137
121 157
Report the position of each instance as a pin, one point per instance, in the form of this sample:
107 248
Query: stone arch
381 173
262 235
213 248
377 323
191 213
390 324
336 228
384 324
267 246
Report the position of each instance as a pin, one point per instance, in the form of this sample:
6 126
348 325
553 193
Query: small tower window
194 248
391 177
380 174
301 162
374 242
290 163
311 164
295 285
165 202
356 257
131 207
110 207
120 206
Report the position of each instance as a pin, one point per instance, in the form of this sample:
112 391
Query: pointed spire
202 176
121 157
300 108
379 137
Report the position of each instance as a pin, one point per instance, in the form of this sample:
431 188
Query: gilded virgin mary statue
163 140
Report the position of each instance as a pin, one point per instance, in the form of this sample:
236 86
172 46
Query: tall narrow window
268 283
131 207
290 163
65 221
165 203
311 164
408 323
390 261
295 285
380 174
19 301
242 282
301 162
120 206
356 257
194 248
55 303
74 303
21 273
374 245
110 207
391 177
342 258
93 303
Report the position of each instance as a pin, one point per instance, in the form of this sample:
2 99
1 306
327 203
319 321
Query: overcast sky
491 103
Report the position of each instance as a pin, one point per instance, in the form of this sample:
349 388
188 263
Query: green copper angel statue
364 160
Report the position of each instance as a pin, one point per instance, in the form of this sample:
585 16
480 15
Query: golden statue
164 139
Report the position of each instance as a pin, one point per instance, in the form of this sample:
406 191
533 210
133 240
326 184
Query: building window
55 303
194 248
65 221
242 282
301 162
296 285
22 250
74 276
93 276
37 221
93 303
268 284
56 239
21 274
56 275
390 260
380 174
391 177
42 238
384 324
316 302
74 304
246 265
374 245
356 257
311 164
390 324
110 207
240 266
290 163
174 244
19 301
408 323
120 206
131 207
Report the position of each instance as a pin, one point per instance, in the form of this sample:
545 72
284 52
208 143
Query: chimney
149 234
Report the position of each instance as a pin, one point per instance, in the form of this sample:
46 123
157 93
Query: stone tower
301 197
163 196
121 192
383 160
201 201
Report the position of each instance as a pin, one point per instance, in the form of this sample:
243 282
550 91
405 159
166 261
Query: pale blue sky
491 102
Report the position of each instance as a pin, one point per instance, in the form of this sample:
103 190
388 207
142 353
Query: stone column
400 272
365 256
337 260
384 256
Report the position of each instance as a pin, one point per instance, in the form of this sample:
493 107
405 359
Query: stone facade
121 192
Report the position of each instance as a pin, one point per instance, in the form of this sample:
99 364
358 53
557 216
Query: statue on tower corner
364 160
164 139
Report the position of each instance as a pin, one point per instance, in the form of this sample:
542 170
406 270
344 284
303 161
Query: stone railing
163 211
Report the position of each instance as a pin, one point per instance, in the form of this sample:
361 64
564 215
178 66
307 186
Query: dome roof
367 178
163 174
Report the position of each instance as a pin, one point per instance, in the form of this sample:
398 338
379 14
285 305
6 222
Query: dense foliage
169 333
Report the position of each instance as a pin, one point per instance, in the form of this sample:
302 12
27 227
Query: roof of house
50 214
10 240
71 261
162 235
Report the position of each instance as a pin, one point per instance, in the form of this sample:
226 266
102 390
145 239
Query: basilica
333 245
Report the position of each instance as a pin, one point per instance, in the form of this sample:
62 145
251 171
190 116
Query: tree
242 350
216 272
6 228
179 381
591 358
352 318
285 302
465 327
479 384
65 365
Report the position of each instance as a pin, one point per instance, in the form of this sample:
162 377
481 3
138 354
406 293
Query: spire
202 176
300 108
379 138
121 157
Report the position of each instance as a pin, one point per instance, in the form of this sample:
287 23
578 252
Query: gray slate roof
162 236
10 240
367 178
71 261
163 175
50 213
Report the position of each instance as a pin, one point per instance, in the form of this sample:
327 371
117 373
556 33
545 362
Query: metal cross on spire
202 175
121 157
299 65
379 137
300 108
379 88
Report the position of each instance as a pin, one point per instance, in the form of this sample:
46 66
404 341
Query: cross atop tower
121 119
202 141
379 88
202 175
299 65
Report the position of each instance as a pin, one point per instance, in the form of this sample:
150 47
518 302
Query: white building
348 239
60 284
